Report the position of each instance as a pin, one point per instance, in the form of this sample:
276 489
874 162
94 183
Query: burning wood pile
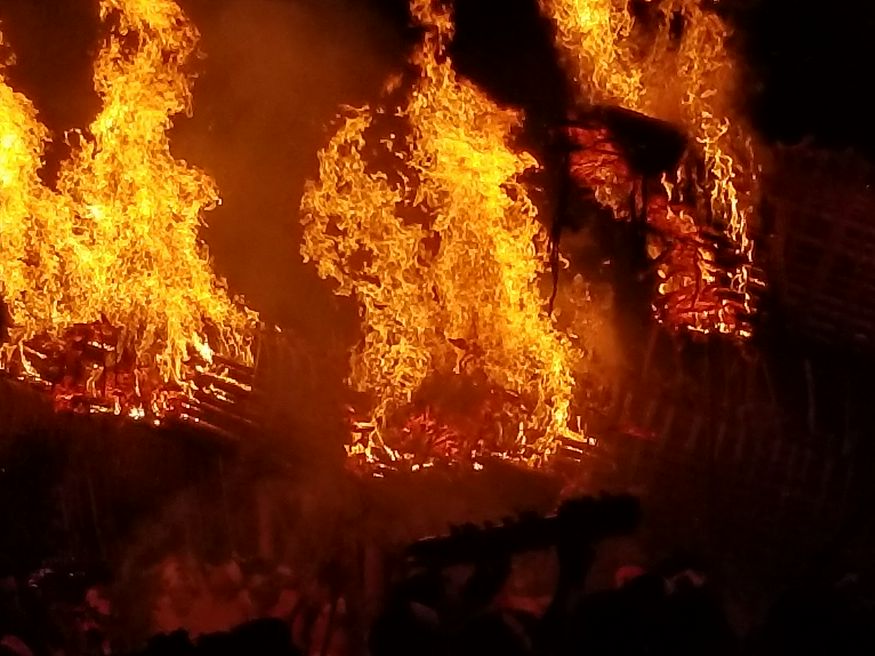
694 261
89 370
667 61
431 228
112 305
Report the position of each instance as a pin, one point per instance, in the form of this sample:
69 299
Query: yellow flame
593 37
445 255
31 266
118 242
684 75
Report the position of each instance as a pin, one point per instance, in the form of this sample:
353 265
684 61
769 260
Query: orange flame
672 64
441 247
117 242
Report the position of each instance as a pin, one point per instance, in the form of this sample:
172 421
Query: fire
108 287
669 59
430 227
25 206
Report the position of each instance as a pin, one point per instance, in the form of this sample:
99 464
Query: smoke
275 74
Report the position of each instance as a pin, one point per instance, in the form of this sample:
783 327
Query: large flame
30 265
669 59
115 247
441 247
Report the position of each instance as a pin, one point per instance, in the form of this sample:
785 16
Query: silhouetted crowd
451 607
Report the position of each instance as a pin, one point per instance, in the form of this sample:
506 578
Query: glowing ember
109 290
669 60
431 229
